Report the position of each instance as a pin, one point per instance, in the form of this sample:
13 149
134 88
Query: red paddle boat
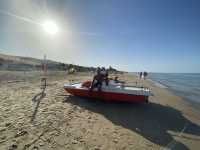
111 92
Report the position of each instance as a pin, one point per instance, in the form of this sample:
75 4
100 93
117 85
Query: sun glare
50 27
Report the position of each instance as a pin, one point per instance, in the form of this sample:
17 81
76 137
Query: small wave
158 84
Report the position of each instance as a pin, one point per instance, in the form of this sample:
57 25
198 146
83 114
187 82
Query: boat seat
86 84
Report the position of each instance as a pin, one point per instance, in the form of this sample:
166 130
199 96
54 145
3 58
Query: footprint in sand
21 133
35 148
13 147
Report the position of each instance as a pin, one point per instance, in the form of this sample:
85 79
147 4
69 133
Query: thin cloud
37 23
19 17
90 33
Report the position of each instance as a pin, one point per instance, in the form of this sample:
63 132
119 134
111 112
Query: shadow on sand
152 121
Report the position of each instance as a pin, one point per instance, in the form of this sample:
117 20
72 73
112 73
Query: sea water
186 85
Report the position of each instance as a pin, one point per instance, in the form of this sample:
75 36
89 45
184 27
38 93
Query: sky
130 35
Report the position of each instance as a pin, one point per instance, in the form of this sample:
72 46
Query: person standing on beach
145 75
140 75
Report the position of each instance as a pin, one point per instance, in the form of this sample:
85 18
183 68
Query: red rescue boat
111 92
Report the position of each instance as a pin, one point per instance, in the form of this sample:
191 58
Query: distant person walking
145 74
140 75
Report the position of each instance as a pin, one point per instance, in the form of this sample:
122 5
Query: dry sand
67 122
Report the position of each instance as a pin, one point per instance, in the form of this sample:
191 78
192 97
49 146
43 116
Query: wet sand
68 122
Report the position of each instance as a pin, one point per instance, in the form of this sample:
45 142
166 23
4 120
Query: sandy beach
67 122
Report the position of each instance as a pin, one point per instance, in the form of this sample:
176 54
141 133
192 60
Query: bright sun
50 27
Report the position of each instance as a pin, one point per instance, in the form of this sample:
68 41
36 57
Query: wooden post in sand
45 65
38 97
44 78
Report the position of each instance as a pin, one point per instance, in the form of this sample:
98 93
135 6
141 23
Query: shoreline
194 104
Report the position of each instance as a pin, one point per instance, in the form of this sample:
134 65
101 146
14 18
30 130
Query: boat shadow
152 121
